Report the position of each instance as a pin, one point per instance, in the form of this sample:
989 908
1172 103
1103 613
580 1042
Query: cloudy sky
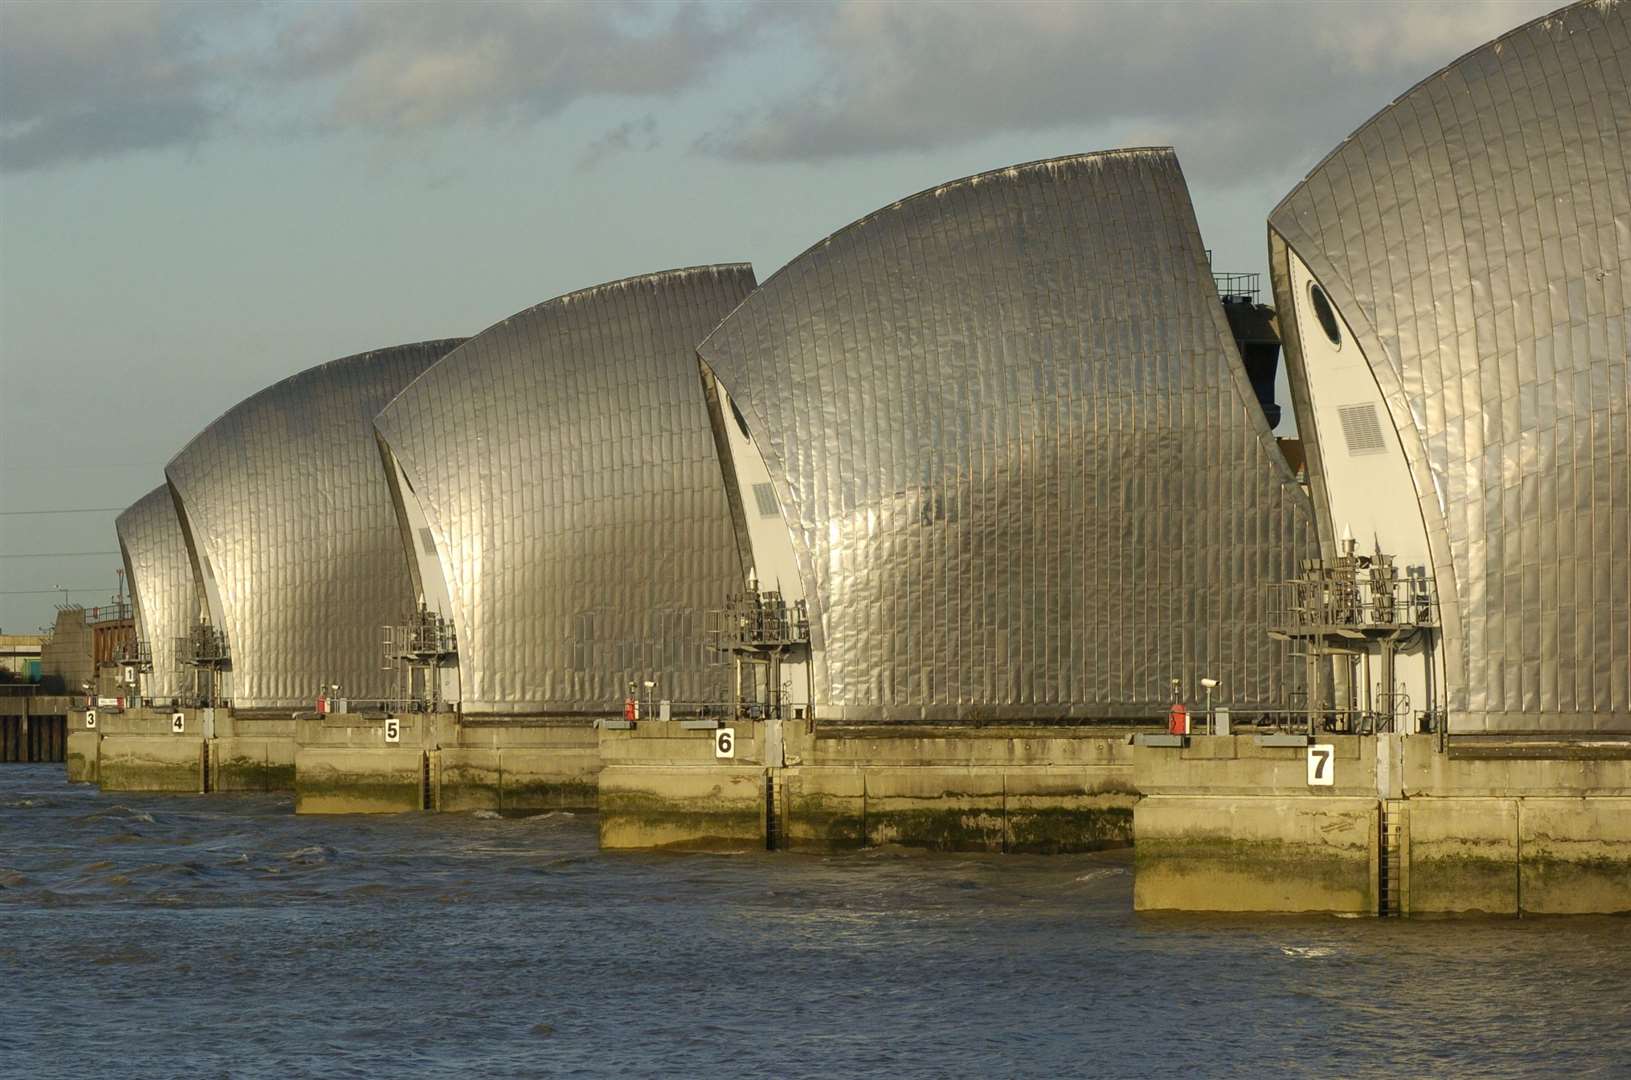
199 199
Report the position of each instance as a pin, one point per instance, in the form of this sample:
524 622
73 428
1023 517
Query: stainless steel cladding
293 535
1454 281
560 495
1017 465
161 585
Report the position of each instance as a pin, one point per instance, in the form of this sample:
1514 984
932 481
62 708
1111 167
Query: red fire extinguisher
1178 719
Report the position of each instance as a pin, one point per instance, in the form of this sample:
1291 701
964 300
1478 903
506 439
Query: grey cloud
1239 89
87 80
631 135
95 79
395 68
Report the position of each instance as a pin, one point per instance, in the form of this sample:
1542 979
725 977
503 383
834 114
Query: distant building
560 501
291 532
998 440
1454 290
20 657
85 648
163 595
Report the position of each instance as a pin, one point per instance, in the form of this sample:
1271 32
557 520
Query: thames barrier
968 530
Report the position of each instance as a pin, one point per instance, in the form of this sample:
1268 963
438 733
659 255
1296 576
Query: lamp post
1211 721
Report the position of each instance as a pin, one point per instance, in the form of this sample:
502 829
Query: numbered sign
1322 765
725 743
393 730
90 719
178 723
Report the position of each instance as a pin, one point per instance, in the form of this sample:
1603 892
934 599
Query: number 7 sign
1321 765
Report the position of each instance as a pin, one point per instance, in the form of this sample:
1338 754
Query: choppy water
224 937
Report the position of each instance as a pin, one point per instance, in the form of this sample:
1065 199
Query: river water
157 936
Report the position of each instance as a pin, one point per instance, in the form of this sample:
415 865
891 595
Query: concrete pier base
348 765
83 755
1228 824
252 754
1031 788
145 750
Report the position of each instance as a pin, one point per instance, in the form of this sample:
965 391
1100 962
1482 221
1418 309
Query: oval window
1325 314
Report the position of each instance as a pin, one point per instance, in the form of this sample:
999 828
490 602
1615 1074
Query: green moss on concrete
81 768
1216 873
125 775
1597 884
639 819
250 774
468 789
1462 882
825 823
939 829
1062 830
354 793
576 795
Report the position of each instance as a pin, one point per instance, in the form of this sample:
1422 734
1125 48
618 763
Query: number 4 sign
1321 765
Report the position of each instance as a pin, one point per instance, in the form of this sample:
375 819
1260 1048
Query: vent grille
1361 429
765 496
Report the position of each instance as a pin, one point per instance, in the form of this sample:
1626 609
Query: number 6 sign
1321 765
725 743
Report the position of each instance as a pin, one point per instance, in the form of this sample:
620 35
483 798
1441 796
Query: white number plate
725 743
1322 765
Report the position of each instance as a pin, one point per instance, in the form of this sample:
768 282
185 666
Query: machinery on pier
1349 612
762 632
417 651
204 654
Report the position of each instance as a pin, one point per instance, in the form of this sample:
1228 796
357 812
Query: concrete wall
1523 826
1529 828
951 788
1279 853
252 754
1228 825
343 764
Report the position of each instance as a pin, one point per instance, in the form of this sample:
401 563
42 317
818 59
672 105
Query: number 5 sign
725 742
1321 765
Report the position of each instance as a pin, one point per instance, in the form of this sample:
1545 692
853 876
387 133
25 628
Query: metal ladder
775 804
1391 868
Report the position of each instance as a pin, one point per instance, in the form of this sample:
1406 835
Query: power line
77 510
56 554
42 592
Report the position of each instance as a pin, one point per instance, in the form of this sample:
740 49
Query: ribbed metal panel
286 498
1476 234
564 460
161 582
1023 468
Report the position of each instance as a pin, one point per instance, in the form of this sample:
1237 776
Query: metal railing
204 646
757 621
1357 593
1238 286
